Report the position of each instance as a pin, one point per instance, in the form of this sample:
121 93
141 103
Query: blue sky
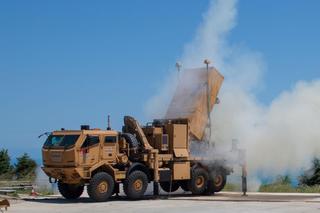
66 63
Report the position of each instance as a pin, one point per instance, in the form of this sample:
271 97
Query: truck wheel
131 140
198 181
219 181
135 185
133 144
166 186
184 185
70 191
101 187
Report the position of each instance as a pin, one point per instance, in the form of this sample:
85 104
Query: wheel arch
198 165
141 167
103 167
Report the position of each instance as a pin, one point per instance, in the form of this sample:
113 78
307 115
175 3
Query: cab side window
90 141
110 139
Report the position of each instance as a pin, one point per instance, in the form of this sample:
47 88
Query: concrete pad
221 202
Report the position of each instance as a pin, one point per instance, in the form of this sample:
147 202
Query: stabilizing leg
155 188
244 175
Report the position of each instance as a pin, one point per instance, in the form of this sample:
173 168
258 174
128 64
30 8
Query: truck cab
69 155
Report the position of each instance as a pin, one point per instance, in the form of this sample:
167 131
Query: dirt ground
221 202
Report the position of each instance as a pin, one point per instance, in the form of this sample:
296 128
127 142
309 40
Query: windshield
58 141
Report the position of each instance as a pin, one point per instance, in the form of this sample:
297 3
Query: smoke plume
279 138
42 184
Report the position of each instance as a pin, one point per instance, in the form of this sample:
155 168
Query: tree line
311 177
23 169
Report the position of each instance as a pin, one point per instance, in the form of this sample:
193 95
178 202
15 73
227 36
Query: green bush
311 177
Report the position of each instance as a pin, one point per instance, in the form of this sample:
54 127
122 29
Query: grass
20 191
281 187
230 187
281 184
44 191
9 176
6 176
7 180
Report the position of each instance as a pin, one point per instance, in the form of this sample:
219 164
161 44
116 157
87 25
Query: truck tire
166 186
135 185
70 191
210 190
131 140
198 182
101 187
219 181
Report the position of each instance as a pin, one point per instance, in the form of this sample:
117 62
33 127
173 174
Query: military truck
158 152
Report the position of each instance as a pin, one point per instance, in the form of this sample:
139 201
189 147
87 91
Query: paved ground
221 202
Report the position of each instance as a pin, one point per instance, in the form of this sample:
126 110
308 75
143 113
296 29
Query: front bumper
66 175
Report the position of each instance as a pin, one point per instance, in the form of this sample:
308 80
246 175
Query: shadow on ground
61 200
232 197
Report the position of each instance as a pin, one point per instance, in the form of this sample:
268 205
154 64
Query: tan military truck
158 152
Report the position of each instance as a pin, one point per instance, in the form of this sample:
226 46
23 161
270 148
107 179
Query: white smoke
281 137
157 106
42 184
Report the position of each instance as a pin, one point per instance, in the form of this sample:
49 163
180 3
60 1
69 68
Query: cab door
110 147
90 150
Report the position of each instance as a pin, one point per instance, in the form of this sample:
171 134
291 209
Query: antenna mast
207 62
109 125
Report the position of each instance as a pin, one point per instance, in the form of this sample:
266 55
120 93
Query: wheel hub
218 180
200 181
103 187
138 185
